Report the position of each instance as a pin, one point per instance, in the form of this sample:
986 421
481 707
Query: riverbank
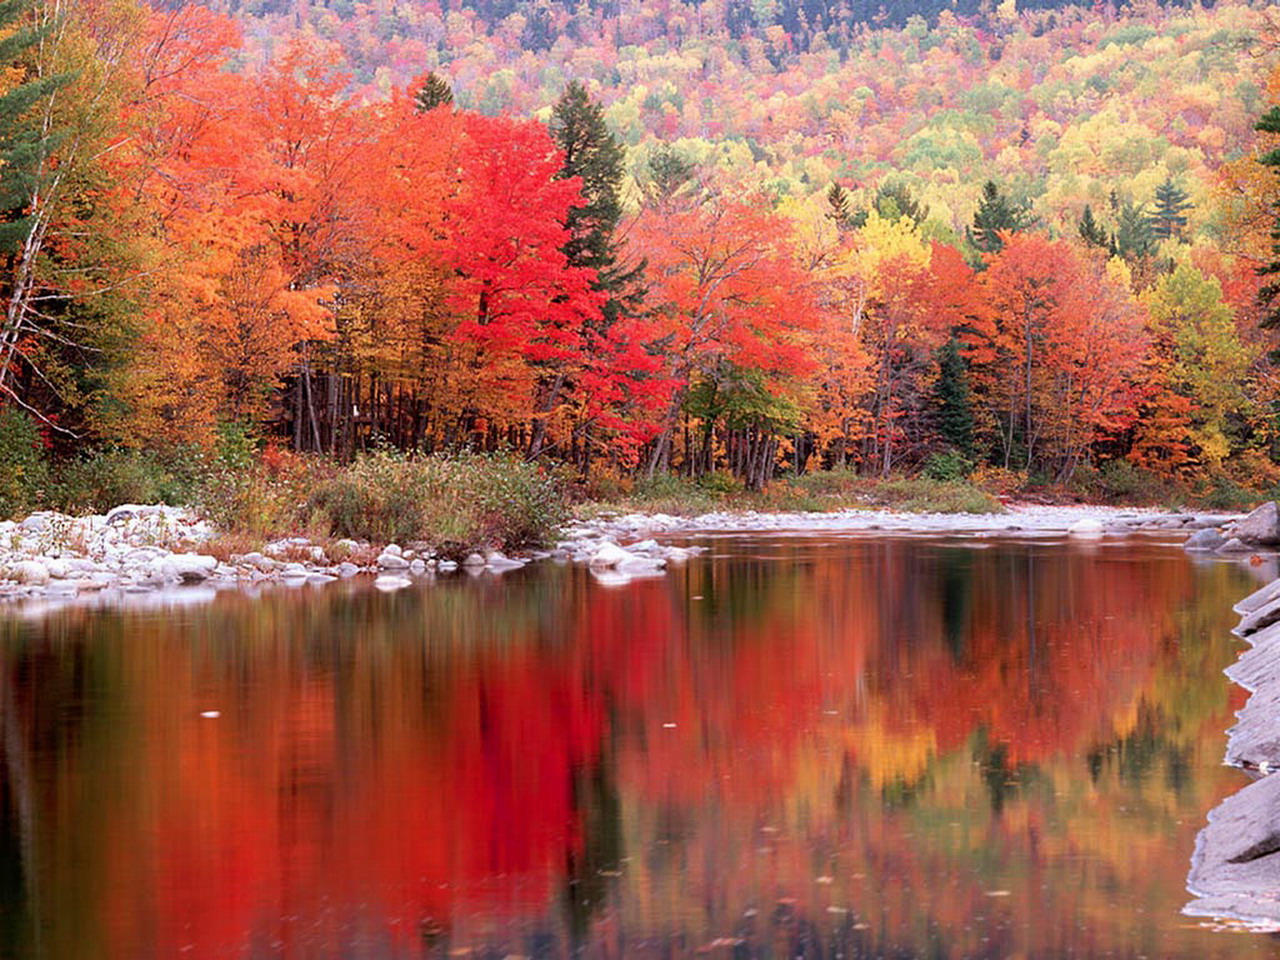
138 550
1235 870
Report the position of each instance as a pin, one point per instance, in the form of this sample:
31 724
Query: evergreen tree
952 398
1134 238
593 154
996 214
25 144
1092 232
670 173
839 209
434 92
1169 217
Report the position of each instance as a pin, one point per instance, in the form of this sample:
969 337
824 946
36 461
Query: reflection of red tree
399 782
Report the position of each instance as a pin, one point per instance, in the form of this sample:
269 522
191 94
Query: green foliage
997 214
594 155
953 400
107 478
1134 237
1170 215
1091 231
949 466
25 142
925 495
23 471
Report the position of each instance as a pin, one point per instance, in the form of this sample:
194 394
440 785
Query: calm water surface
792 747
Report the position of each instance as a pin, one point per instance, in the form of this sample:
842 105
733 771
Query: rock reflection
858 748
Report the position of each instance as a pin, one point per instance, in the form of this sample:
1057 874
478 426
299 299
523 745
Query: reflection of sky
873 746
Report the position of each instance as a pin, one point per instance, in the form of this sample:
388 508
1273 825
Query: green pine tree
952 399
1092 232
593 154
434 92
996 214
1169 218
1134 237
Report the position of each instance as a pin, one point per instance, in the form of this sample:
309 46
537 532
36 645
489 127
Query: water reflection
860 748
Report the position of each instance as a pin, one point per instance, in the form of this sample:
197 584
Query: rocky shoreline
1235 873
137 550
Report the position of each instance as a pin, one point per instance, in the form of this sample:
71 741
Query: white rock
193 567
392 561
393 550
390 581
345 570
607 556
446 566
499 562
417 567
473 560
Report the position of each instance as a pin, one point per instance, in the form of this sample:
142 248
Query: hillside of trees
1023 242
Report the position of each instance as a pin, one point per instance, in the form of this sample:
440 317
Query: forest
671 237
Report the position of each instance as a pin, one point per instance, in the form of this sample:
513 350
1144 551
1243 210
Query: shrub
106 478
23 472
949 465
922 495
457 504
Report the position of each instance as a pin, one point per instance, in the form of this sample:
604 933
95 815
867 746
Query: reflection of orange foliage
827 726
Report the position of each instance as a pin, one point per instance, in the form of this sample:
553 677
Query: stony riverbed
137 550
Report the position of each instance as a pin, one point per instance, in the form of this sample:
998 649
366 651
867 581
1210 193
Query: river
791 746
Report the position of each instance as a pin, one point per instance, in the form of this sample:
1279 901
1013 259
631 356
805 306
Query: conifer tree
1134 238
1169 217
593 154
1091 231
951 395
434 92
996 214
839 209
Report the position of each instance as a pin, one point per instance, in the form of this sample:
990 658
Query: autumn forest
715 238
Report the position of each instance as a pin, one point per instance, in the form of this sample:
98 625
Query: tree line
188 245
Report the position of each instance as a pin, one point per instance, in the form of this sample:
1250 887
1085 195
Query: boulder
1205 539
193 567
607 556
1260 528
392 561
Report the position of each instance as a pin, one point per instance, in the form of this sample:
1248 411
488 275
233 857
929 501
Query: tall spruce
1091 231
434 92
996 214
1134 236
593 153
1169 218
953 400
